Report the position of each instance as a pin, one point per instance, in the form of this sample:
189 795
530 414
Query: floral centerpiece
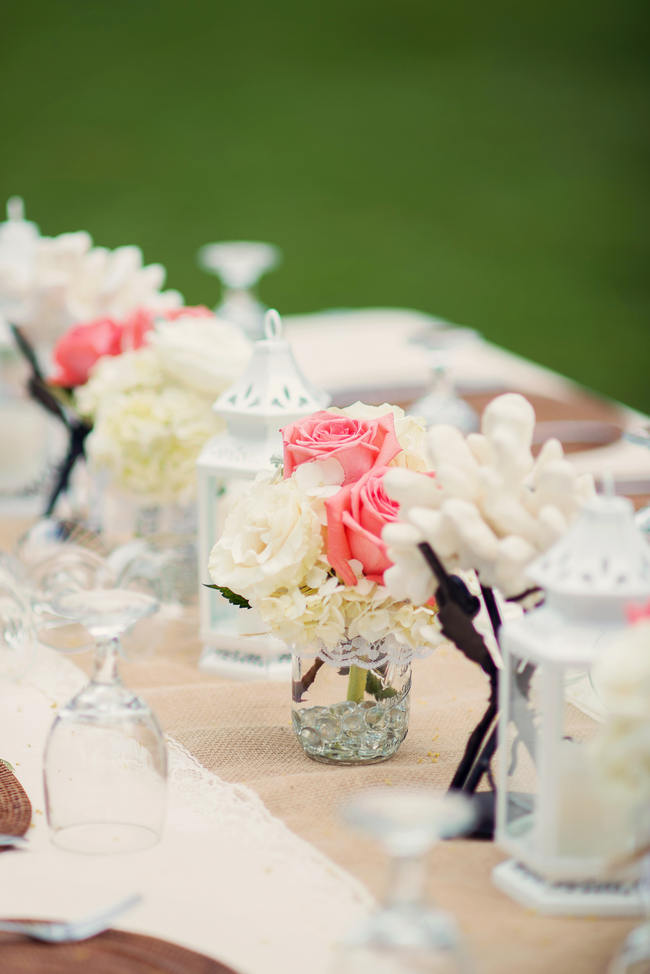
303 547
146 385
47 285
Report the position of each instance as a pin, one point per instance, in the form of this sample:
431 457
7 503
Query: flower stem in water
357 683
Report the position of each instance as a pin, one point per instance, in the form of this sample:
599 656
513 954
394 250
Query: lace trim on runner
367 655
239 808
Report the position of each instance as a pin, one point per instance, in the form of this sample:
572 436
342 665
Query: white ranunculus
271 538
205 354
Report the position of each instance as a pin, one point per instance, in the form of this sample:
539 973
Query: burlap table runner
242 731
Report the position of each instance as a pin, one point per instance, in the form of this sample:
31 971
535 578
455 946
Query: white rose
205 354
271 538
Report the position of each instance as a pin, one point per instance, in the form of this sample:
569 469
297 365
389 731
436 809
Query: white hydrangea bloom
114 376
149 441
491 507
622 747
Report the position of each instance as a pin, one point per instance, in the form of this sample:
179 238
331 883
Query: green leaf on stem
231 596
377 690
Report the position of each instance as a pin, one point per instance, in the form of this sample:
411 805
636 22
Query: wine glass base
105 838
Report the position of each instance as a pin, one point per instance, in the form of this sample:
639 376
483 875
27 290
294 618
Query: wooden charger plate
112 952
581 421
15 806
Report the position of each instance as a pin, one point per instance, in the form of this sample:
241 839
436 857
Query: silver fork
58 933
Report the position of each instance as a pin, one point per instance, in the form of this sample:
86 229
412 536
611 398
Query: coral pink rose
77 351
134 329
82 345
195 311
357 444
356 515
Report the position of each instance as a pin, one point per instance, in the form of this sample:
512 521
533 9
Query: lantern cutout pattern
560 821
271 394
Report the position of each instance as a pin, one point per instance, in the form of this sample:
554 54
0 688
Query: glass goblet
240 264
17 637
105 764
442 404
405 935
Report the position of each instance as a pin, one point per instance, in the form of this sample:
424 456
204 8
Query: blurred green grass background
484 162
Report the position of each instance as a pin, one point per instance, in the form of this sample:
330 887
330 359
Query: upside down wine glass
442 404
405 935
240 264
105 765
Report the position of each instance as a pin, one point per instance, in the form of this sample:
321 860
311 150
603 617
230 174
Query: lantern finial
273 327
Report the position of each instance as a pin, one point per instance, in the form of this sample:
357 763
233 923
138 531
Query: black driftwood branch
77 429
457 608
298 687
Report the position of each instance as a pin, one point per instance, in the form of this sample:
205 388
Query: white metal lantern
555 816
272 393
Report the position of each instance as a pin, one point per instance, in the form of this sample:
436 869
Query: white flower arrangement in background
491 506
48 284
621 749
150 408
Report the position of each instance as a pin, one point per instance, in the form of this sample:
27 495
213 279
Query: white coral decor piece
491 506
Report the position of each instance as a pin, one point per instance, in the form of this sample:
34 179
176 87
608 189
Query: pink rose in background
134 329
76 352
195 311
82 345
357 444
356 516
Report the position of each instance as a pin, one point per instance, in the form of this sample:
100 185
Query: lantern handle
272 325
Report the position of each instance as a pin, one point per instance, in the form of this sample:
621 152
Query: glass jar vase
350 713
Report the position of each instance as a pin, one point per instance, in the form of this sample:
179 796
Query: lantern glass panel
521 749
558 817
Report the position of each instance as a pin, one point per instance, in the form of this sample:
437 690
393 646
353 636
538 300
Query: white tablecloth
227 879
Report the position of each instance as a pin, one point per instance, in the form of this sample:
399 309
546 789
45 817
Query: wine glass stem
106 654
406 885
441 382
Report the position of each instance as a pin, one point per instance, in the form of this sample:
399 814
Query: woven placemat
112 952
15 806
